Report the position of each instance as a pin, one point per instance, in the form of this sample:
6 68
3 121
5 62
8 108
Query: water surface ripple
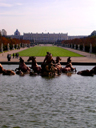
40 102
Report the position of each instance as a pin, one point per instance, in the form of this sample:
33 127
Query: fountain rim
39 63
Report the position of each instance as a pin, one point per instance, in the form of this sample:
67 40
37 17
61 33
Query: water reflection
67 101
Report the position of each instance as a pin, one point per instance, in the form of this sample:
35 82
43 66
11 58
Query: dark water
67 101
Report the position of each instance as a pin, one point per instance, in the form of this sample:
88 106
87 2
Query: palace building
45 37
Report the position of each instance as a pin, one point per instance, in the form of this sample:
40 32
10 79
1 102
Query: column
78 46
71 46
1 47
20 45
29 45
16 46
8 48
90 50
13 47
66 45
83 47
74 46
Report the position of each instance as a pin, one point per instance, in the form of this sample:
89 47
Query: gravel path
88 58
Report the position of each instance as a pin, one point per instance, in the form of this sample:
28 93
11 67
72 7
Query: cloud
5 5
10 13
19 4
10 5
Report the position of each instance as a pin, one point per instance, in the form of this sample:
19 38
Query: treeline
11 42
83 42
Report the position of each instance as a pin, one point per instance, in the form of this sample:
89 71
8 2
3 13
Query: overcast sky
75 17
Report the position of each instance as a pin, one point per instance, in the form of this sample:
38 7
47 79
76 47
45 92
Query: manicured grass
41 51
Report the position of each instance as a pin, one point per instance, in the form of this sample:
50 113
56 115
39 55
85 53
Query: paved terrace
88 59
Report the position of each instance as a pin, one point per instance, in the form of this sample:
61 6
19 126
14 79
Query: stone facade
45 37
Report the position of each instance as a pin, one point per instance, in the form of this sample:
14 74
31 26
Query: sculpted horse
6 72
88 72
34 65
23 68
47 68
93 70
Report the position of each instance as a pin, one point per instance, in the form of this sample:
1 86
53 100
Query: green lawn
41 51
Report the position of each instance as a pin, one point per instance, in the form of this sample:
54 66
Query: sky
75 17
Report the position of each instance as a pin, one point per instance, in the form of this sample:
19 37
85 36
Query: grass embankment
41 51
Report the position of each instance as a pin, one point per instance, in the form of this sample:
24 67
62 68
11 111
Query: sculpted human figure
46 57
48 67
50 60
58 64
68 59
70 65
47 61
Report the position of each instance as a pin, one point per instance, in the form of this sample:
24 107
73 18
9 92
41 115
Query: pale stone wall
45 37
